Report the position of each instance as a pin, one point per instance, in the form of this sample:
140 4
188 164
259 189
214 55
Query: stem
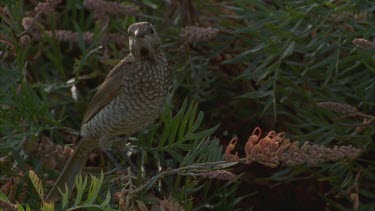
200 166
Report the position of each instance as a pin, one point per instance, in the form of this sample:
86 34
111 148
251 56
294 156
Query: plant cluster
306 68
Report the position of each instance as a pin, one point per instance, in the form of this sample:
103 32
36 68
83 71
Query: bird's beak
138 34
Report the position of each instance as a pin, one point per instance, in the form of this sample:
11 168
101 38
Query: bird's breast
137 105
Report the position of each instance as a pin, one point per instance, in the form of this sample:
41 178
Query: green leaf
192 118
202 134
65 197
107 199
204 151
175 155
176 123
198 122
289 50
4 197
80 186
37 183
94 188
245 55
184 121
257 94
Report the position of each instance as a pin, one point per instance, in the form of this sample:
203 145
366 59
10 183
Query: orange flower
228 156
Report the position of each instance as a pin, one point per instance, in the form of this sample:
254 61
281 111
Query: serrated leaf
65 197
80 186
95 186
37 183
205 151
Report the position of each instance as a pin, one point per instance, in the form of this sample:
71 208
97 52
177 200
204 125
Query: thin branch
200 167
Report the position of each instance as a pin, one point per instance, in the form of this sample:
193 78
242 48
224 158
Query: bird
130 99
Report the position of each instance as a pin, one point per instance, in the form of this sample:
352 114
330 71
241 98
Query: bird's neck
145 55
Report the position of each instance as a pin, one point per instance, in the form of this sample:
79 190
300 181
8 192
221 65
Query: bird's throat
144 52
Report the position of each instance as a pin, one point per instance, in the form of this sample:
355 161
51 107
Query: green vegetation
306 68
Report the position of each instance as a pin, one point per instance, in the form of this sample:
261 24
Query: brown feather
109 88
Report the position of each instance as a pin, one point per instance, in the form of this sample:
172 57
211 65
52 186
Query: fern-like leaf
37 183
205 151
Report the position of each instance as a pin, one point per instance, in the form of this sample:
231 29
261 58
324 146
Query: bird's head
144 41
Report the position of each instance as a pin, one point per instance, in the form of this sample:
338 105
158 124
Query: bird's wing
109 88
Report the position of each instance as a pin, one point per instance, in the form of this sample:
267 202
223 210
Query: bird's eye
129 34
151 30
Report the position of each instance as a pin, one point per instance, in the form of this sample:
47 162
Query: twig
197 167
7 43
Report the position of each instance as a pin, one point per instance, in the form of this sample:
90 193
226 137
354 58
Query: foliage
281 65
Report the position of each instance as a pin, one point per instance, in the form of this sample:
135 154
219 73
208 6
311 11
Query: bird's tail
72 169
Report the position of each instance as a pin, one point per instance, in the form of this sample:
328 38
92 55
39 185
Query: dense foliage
287 66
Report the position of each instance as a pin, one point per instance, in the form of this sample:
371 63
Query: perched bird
130 98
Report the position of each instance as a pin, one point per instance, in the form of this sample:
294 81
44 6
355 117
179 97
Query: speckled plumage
130 99
137 104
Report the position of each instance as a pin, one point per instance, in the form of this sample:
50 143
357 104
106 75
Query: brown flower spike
363 43
193 34
220 175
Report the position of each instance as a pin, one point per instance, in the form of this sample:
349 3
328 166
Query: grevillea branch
274 148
